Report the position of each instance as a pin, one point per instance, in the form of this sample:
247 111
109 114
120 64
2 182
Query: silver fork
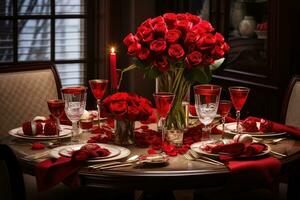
197 156
189 157
130 160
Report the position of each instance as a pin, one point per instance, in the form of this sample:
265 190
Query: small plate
124 152
196 147
64 133
230 128
67 152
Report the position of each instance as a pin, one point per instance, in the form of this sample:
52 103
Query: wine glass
206 104
224 109
238 97
163 102
56 108
98 87
75 101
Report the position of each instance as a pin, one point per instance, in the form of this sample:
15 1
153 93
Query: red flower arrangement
127 107
173 40
179 49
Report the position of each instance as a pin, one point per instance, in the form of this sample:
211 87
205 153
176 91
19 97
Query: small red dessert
32 128
249 125
90 150
233 149
50 128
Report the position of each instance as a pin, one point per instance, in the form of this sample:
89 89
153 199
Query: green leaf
198 75
152 72
131 67
216 64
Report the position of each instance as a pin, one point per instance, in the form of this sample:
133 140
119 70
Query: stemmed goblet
75 101
224 109
56 108
98 87
238 97
206 103
163 102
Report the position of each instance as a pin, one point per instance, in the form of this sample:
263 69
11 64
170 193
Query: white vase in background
247 27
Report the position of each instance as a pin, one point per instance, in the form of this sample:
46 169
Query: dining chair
11 181
290 114
25 89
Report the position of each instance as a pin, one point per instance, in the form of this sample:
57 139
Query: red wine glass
163 102
224 109
238 97
56 108
99 87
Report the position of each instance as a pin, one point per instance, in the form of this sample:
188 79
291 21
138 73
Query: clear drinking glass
99 87
206 103
75 101
163 102
238 97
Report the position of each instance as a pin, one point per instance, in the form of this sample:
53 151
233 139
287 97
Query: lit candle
113 69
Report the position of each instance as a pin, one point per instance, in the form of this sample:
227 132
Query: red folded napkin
277 127
51 172
255 173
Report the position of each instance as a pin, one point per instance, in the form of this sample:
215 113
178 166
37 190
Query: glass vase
124 132
175 82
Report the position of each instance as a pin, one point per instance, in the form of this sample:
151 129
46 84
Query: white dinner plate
197 148
68 150
230 128
124 152
64 133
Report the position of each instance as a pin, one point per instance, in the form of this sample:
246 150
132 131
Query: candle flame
112 50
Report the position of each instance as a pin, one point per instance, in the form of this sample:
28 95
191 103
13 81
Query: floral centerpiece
179 50
126 109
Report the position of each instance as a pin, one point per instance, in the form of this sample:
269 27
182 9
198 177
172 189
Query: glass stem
238 113
58 126
99 109
223 126
75 132
163 123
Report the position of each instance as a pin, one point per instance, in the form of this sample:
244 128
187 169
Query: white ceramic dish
64 133
124 152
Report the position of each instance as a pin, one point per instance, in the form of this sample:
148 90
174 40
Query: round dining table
178 173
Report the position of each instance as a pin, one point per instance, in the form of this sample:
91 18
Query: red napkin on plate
277 127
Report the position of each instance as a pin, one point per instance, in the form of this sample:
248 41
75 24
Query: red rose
157 20
162 64
184 25
170 17
134 48
191 37
158 45
219 38
217 52
194 58
143 54
207 41
193 18
145 34
160 28
172 36
130 39
225 47
176 51
118 107
207 60
206 26
181 16
133 113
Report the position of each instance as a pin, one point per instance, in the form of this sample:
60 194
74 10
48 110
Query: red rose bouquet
126 109
179 50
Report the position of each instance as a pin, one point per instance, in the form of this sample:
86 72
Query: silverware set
194 156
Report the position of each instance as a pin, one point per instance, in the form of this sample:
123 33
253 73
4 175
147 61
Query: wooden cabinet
263 61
